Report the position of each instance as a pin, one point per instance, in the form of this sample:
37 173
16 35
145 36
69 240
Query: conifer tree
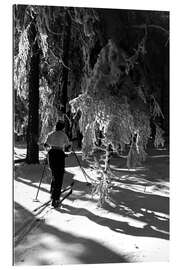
120 108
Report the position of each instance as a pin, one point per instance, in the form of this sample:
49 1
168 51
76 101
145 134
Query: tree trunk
104 181
33 116
65 71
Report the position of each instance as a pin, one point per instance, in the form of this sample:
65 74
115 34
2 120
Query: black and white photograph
90 135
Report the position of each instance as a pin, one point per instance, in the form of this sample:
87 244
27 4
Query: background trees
113 67
121 96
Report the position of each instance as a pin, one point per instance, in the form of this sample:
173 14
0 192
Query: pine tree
27 61
115 104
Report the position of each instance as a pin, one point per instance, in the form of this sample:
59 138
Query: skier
57 141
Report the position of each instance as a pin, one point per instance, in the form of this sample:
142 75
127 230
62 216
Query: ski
60 202
44 205
65 197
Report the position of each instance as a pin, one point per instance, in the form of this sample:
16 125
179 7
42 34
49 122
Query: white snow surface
133 226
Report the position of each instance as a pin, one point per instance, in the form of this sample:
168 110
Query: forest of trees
108 68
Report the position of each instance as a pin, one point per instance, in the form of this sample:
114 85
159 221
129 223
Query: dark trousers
57 164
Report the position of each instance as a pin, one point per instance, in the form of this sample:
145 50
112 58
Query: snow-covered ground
133 226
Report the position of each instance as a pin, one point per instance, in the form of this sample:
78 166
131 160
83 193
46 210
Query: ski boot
55 203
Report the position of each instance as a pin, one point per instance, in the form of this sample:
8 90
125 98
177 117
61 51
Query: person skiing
57 141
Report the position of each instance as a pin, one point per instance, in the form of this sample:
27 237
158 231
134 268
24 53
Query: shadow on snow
86 250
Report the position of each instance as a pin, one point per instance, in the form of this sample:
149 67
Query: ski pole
36 199
82 169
